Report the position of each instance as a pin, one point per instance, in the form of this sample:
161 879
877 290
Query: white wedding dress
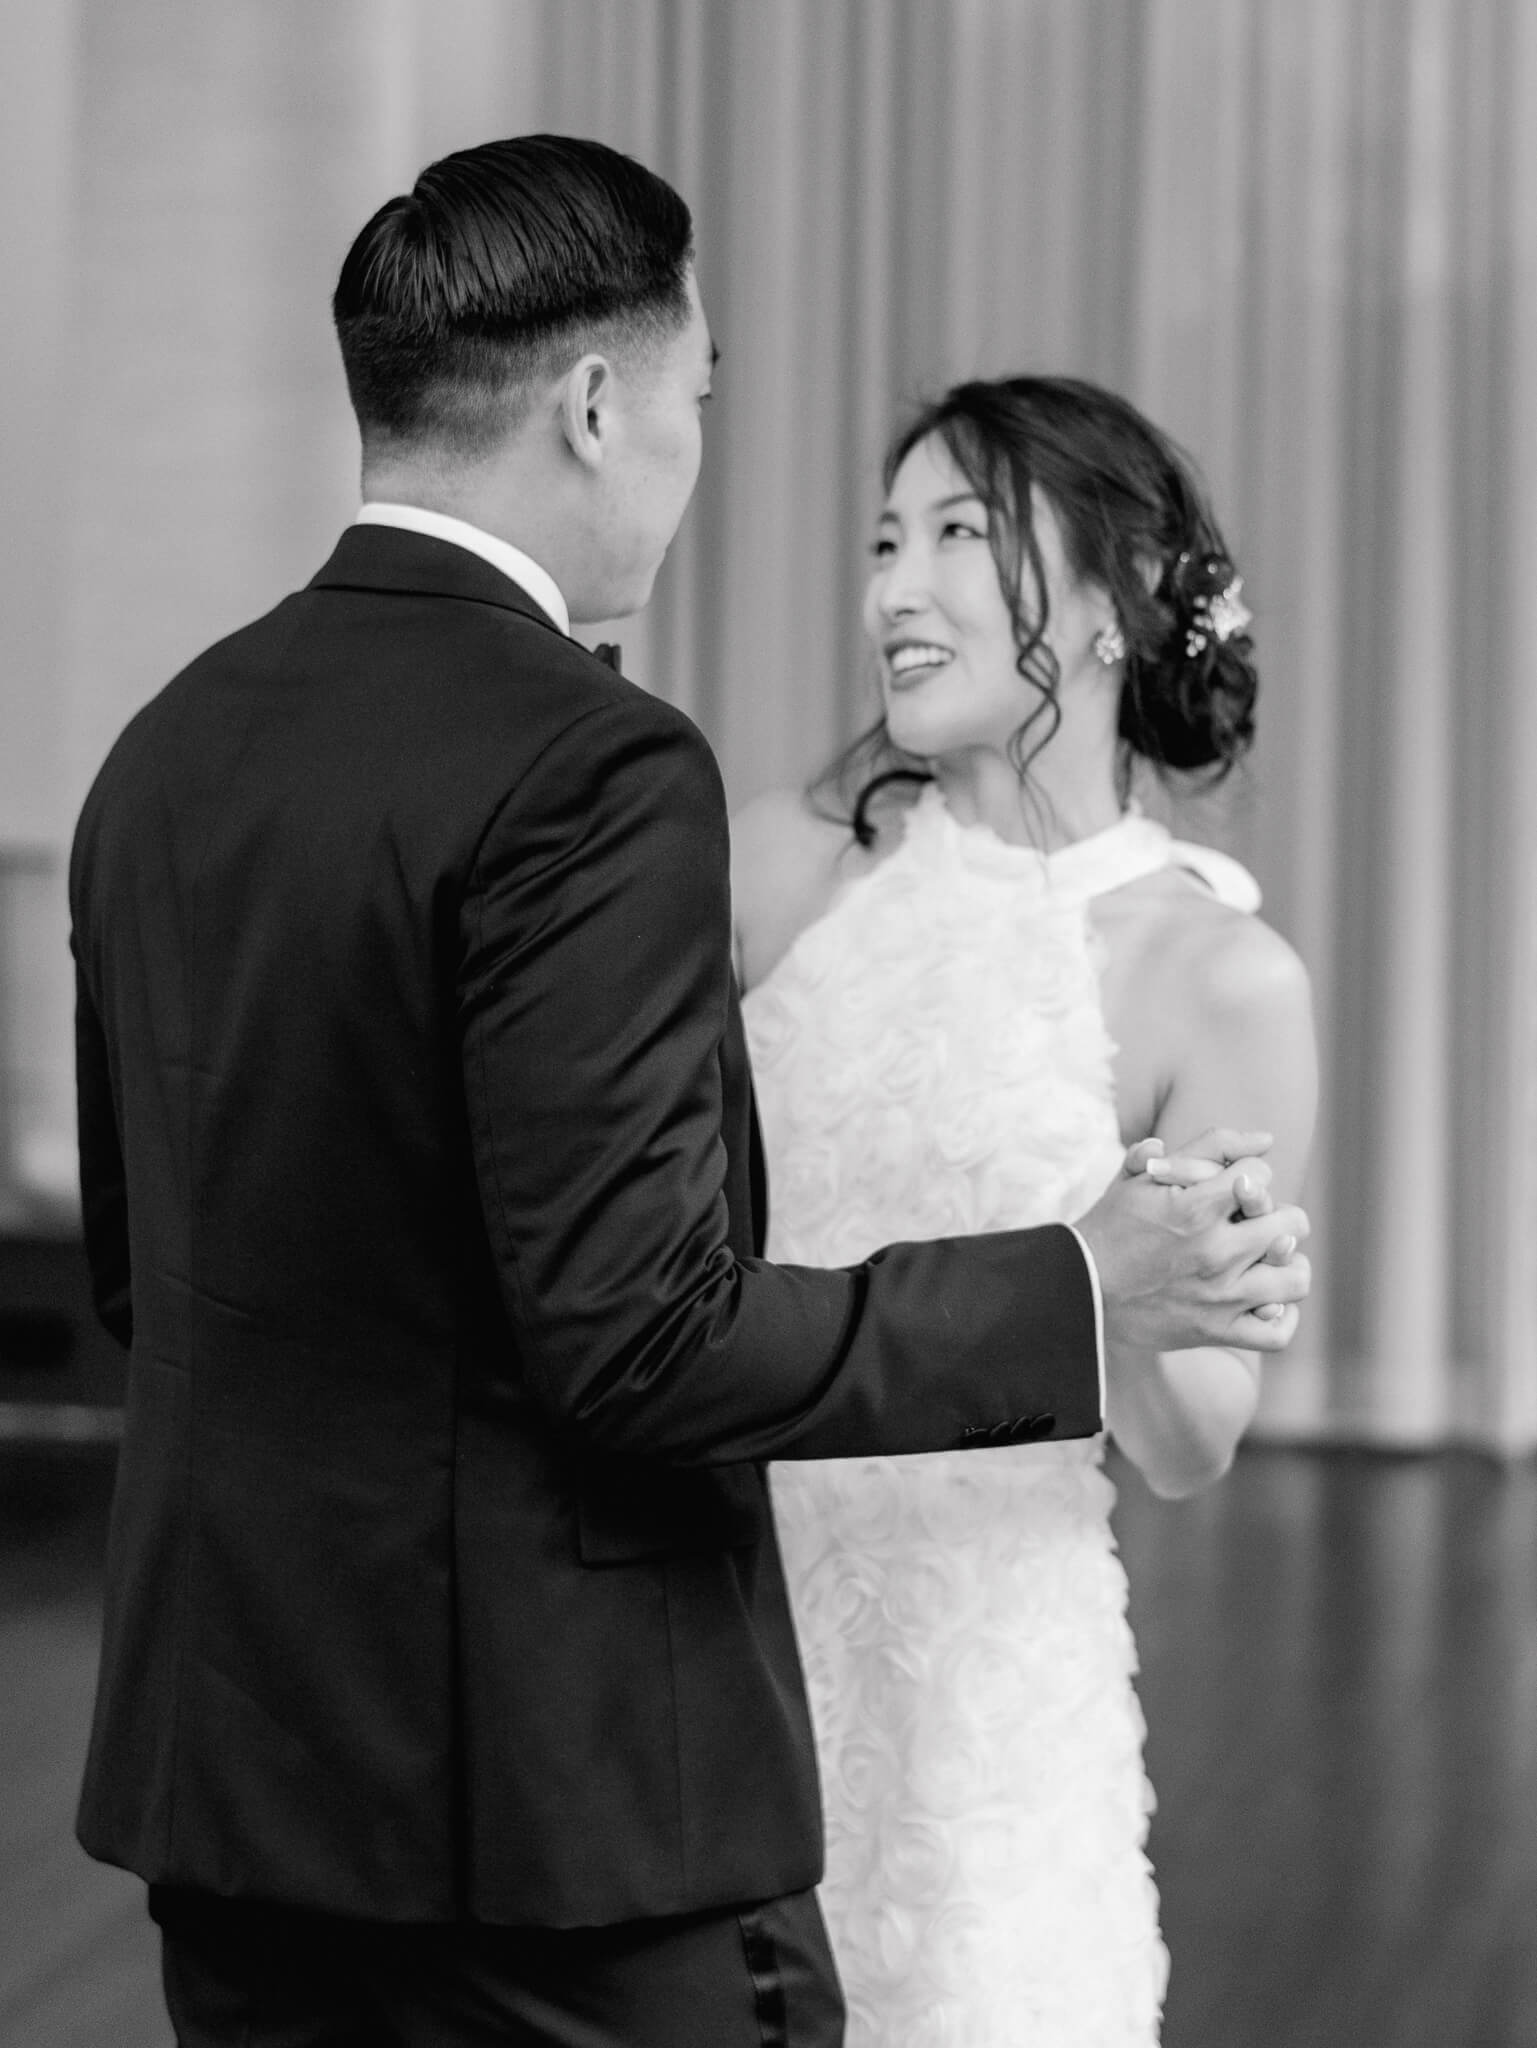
931 1058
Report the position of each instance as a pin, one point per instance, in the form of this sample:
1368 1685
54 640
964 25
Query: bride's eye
962 529
882 546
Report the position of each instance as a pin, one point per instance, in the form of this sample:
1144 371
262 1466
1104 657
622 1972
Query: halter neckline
1134 846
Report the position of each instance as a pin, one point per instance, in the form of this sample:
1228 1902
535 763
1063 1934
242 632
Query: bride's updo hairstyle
1135 520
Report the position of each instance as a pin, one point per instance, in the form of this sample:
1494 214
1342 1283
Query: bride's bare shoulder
788 861
1234 965
1198 955
1204 1000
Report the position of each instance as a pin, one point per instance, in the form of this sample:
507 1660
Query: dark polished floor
1340 1676
78 1967
1340 1679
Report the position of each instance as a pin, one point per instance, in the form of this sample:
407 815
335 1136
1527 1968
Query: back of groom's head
502 264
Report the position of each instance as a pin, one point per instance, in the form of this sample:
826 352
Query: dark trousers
243 1975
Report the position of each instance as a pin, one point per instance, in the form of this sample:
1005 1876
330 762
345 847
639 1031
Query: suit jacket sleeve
103 1183
594 992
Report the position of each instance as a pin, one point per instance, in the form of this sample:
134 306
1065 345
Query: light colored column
1512 1394
37 397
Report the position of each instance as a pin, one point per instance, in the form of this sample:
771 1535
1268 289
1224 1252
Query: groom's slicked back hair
502 263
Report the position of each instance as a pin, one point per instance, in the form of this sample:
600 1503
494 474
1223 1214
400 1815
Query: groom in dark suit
448 1692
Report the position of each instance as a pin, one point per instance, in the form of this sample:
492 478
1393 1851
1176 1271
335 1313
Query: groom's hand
1202 1158
1191 1249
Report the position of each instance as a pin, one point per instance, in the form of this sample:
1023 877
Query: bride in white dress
963 1001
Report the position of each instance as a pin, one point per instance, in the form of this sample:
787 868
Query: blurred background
1302 235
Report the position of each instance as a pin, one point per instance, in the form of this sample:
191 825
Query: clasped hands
1192 1250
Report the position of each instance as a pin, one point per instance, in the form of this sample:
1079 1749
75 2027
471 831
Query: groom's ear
586 397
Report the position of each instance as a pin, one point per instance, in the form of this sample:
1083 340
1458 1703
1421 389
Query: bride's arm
1245 1057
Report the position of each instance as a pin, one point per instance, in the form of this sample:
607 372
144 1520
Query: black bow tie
607 652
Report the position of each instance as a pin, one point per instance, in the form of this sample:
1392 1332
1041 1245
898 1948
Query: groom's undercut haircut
502 266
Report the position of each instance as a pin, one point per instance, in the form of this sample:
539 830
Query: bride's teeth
906 659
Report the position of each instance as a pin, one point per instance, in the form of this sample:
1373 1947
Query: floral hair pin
1216 614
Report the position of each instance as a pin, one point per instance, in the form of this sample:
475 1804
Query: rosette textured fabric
931 1058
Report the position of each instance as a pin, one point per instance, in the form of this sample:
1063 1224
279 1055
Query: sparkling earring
1109 645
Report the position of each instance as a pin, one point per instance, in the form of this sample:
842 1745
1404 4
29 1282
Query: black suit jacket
417 1144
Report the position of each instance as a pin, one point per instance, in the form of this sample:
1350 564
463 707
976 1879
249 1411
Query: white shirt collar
522 569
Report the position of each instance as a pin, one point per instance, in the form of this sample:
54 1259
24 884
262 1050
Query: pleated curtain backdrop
1301 233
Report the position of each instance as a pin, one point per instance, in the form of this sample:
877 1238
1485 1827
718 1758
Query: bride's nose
902 588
